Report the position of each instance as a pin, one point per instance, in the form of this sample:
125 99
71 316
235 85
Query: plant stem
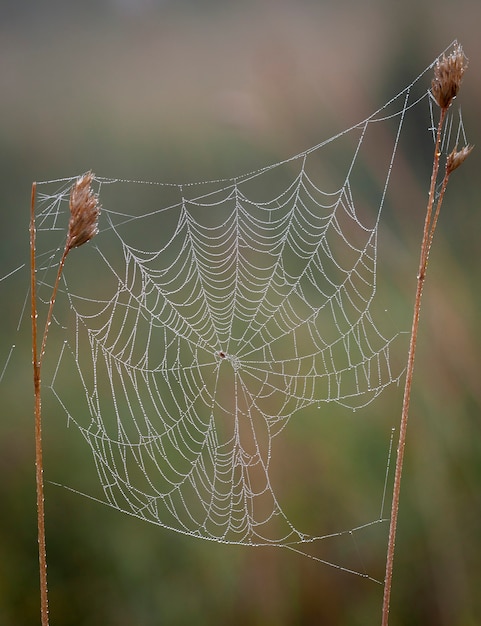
42 553
83 225
37 364
429 228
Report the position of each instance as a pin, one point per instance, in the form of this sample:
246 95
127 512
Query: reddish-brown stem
37 364
52 302
83 225
429 228
42 553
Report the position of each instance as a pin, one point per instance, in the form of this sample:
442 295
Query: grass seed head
84 212
456 157
448 74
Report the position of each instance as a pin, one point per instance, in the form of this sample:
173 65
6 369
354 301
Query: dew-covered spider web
205 316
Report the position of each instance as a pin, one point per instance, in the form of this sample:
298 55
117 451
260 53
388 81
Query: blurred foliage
184 91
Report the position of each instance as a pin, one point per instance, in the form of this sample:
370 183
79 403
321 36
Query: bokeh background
192 90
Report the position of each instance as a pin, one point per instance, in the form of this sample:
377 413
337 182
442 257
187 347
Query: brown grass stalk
84 212
448 73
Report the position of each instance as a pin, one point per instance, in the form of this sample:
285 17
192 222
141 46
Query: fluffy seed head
84 212
455 158
448 74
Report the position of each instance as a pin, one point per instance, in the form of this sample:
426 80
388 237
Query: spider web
204 316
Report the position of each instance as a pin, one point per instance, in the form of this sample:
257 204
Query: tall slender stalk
42 553
448 73
84 212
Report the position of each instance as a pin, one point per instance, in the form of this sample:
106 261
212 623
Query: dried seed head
84 212
455 158
448 74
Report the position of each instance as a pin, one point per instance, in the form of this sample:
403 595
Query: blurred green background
180 91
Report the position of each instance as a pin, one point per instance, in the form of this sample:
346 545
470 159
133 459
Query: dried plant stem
84 210
428 234
448 75
42 554
37 364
